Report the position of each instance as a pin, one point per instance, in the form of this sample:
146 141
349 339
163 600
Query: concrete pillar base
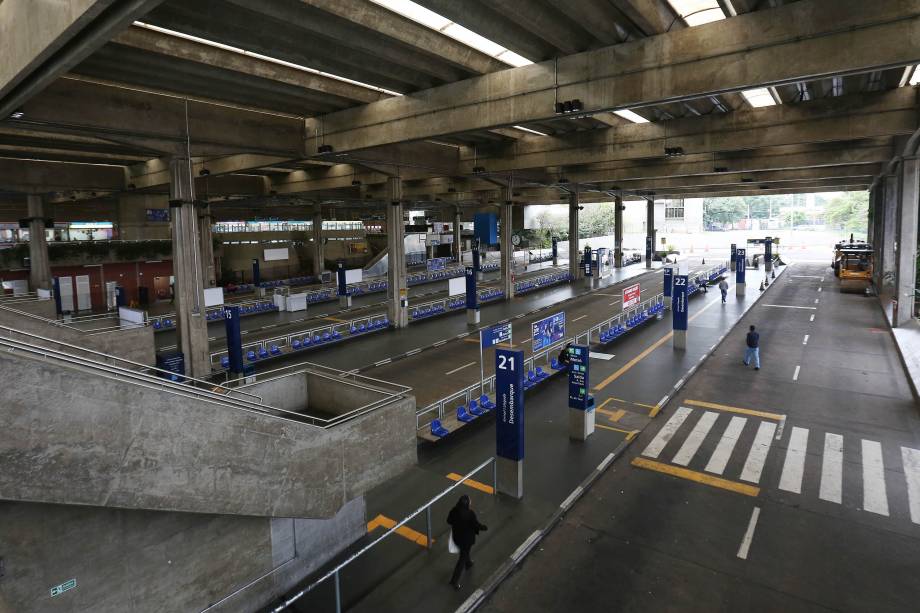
478 275
596 281
510 477
731 265
739 289
680 339
581 424
345 301
588 282
472 317
768 265
555 261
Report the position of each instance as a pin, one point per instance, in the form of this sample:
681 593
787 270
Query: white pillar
397 290
650 230
618 233
907 239
507 249
319 263
574 269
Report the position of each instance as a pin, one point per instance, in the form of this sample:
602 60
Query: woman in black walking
464 527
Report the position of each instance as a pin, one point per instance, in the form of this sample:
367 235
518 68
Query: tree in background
794 218
597 220
849 211
721 212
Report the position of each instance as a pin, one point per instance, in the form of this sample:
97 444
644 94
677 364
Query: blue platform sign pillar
581 403
509 421
668 281
344 297
472 297
555 251
680 310
234 339
256 279
768 254
587 266
477 263
56 284
740 267
731 262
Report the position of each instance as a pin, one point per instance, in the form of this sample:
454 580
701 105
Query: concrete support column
397 290
458 243
574 268
189 288
39 262
888 264
507 249
618 233
649 231
319 255
907 239
205 221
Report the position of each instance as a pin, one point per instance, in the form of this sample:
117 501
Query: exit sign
57 590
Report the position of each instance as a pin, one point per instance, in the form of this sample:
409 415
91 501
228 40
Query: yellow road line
476 485
603 404
626 367
630 434
404 531
336 319
613 415
698 477
730 409
647 406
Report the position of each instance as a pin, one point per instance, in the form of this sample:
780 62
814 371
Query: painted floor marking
795 375
805 340
794 466
831 488
577 318
726 446
739 410
817 300
819 289
476 485
911 461
812 318
749 535
698 477
459 368
404 531
630 434
695 438
787 306
601 356
875 496
757 456
654 449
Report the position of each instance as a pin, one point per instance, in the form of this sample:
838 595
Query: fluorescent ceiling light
259 56
631 116
430 19
698 12
758 97
915 77
530 130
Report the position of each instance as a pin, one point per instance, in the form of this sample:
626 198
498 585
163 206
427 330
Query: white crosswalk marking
794 466
911 460
753 466
726 445
666 433
695 438
875 497
832 469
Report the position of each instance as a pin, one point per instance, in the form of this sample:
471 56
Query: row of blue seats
428 311
490 293
535 376
370 326
634 320
375 286
456 303
320 296
477 408
532 284
489 267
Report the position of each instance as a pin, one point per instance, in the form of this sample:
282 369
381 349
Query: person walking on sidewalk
753 349
723 287
464 528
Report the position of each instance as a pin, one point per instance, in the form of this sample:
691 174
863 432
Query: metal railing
334 573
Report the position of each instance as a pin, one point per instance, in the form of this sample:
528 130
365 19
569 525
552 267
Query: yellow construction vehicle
853 265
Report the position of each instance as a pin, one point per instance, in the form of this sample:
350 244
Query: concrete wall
288 393
71 437
147 561
135 344
132 223
329 398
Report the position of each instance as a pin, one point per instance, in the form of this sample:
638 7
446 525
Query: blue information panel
587 261
555 248
578 377
649 245
58 308
740 265
668 281
548 331
472 298
500 333
485 228
234 339
679 302
768 249
509 400
340 277
734 251
255 271
173 363
477 266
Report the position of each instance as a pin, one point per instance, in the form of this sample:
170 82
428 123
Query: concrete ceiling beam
43 40
650 16
731 55
37 177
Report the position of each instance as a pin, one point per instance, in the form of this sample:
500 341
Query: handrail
140 367
334 572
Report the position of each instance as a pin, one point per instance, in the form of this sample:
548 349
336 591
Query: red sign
632 296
